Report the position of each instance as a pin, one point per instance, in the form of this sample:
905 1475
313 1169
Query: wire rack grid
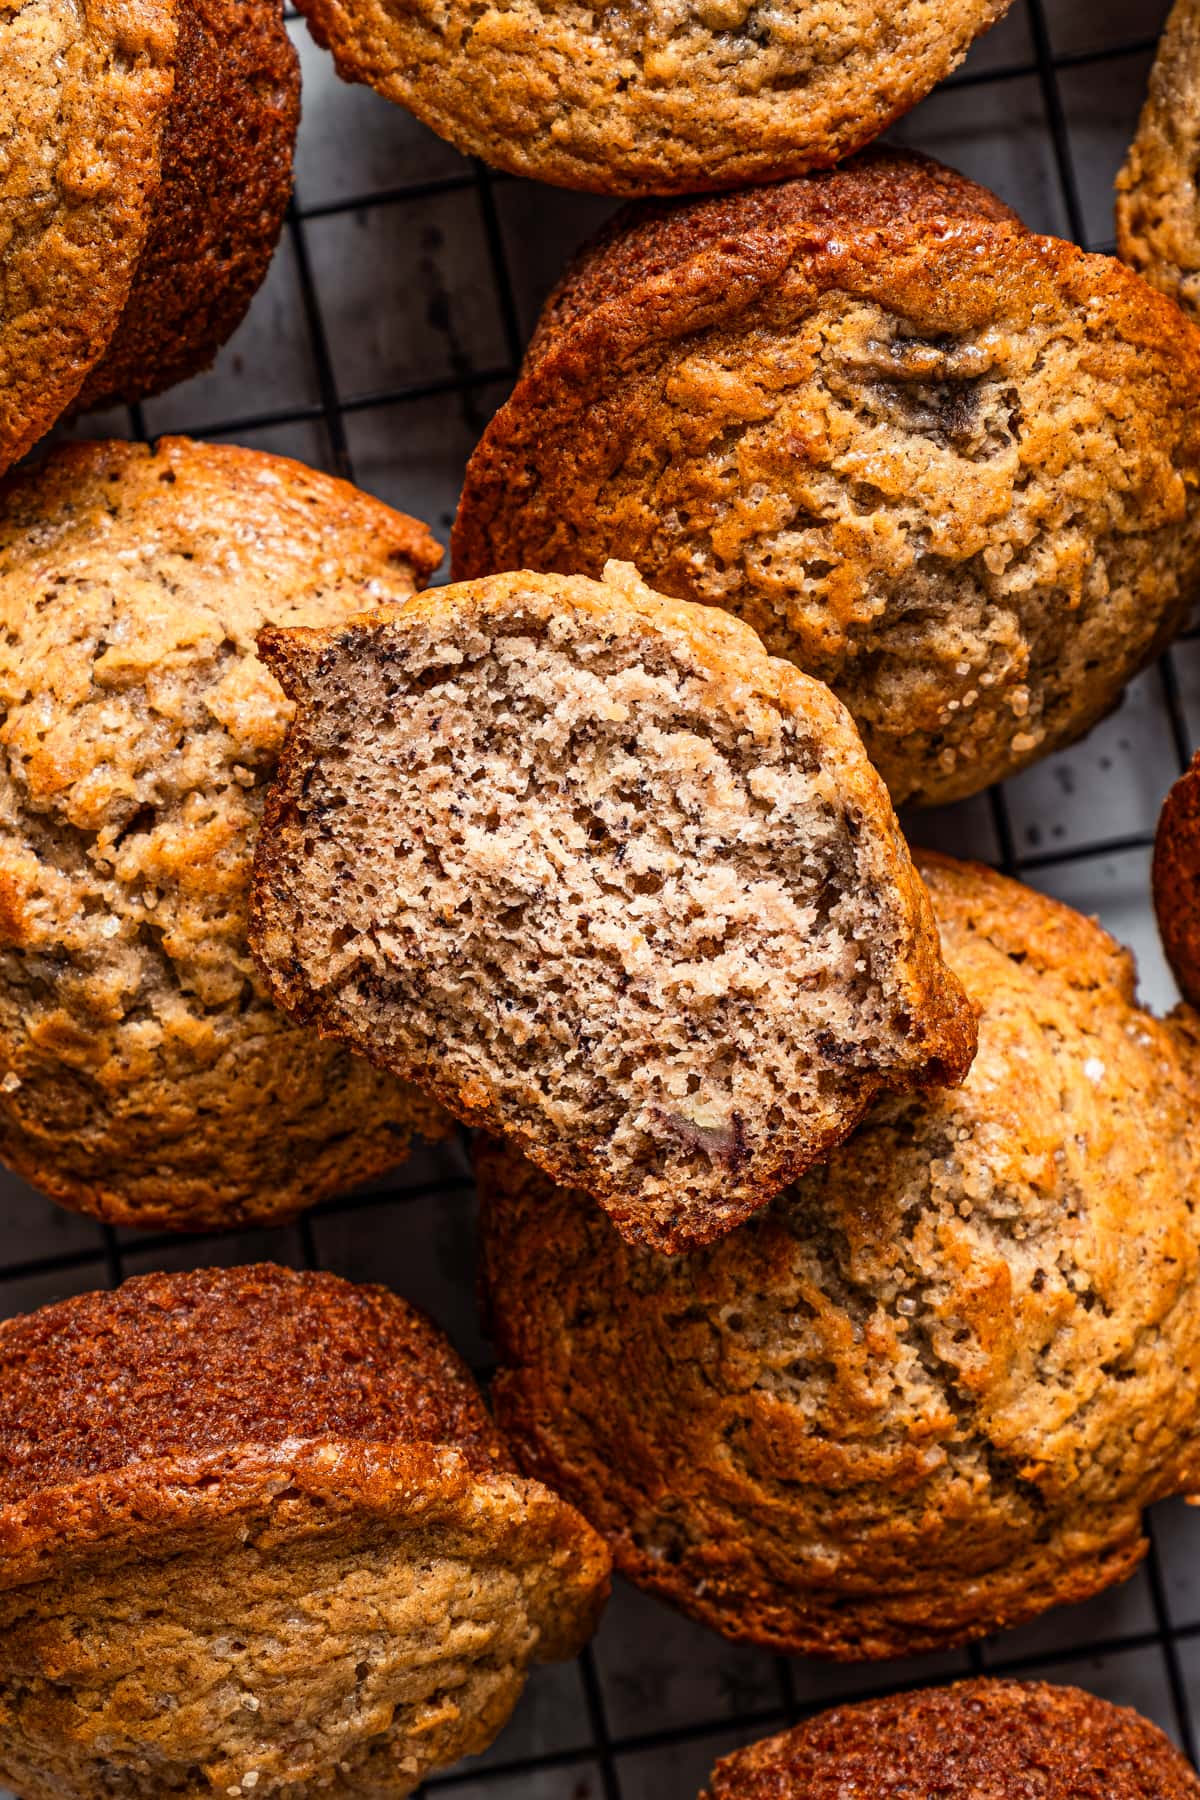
389 329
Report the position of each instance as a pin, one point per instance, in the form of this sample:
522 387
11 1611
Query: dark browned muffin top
977 1740
188 1363
881 189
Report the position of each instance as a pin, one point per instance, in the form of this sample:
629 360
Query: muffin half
259 1536
144 1074
593 870
929 1391
147 168
977 1740
945 465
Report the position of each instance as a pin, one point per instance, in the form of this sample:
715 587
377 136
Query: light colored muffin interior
565 870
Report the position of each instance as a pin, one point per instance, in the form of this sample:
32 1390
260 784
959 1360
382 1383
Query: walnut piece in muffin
593 870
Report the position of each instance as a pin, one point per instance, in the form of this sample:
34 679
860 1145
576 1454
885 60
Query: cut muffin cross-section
598 873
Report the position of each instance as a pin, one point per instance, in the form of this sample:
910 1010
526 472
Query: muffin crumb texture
928 1391
146 1077
945 465
593 869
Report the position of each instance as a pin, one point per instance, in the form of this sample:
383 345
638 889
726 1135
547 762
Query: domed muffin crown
277 1499
939 461
146 1075
177 1365
977 1740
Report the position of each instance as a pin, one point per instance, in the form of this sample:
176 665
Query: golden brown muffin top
944 464
1176 889
927 1392
225 181
138 721
181 1364
138 733
288 1488
1158 210
198 1413
658 99
83 106
880 191
977 1740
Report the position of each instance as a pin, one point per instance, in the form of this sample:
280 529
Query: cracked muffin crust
145 165
593 870
258 1535
144 1074
1158 209
977 1740
659 99
929 1391
945 465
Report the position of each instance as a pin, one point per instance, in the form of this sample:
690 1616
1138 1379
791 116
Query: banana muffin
144 1074
977 1740
258 1535
1176 880
1158 209
662 99
146 171
593 870
927 1393
945 465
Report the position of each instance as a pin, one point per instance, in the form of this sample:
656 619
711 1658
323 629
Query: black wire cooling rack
391 326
